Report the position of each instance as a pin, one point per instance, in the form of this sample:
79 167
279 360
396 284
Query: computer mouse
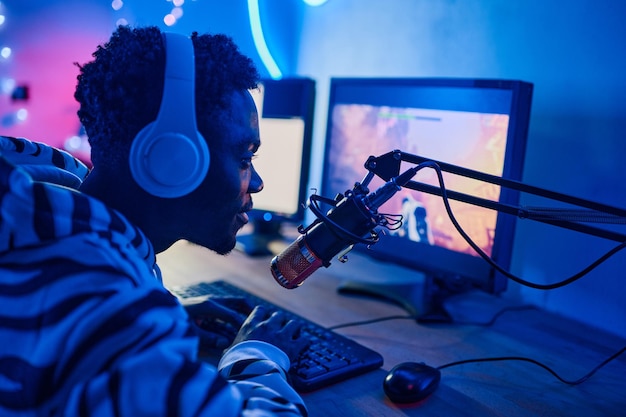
409 382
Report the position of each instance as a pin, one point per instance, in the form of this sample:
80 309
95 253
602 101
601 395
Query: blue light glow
259 40
314 2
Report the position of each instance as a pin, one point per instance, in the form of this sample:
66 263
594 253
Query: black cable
416 317
314 206
513 277
364 322
494 359
348 235
521 358
457 226
336 228
497 315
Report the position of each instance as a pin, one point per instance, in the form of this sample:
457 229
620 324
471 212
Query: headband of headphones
169 157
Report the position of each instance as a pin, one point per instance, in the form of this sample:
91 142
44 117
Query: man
86 327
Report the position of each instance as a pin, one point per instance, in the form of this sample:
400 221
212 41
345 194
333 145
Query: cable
494 359
534 362
340 230
488 323
386 221
364 322
593 265
457 226
497 315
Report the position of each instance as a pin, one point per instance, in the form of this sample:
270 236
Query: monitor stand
412 297
420 298
259 241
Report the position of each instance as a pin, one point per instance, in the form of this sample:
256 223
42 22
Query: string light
169 19
21 115
258 37
117 4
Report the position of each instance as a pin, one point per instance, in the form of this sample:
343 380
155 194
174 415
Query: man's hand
273 328
217 320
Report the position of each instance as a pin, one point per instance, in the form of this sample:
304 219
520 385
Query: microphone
352 218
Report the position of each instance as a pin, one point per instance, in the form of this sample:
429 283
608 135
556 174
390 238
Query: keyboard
330 357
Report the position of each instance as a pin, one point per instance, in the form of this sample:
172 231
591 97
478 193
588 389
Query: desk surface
508 388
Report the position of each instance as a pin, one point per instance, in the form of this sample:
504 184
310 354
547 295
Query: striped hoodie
86 326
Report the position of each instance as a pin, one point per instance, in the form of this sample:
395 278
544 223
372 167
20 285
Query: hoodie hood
40 205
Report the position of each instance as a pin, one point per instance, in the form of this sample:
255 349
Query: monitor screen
476 124
285 110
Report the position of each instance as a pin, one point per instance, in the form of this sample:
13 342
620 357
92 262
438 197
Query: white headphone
169 157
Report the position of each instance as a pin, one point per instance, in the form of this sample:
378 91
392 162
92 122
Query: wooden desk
484 389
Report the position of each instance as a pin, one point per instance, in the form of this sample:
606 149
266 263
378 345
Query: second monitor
285 108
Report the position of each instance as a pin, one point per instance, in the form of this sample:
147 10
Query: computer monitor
285 109
478 124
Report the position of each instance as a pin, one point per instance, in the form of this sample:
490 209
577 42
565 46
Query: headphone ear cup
169 164
169 158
